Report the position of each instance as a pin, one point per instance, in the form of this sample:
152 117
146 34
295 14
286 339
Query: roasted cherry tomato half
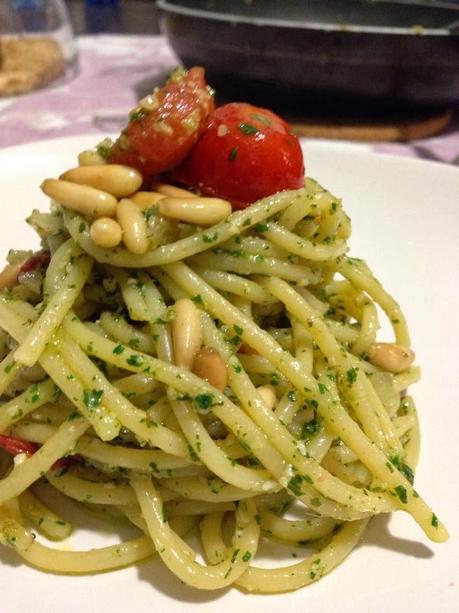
245 154
166 124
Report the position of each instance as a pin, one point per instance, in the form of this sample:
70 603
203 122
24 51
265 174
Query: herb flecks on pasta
185 366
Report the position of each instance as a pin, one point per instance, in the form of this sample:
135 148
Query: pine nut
391 357
106 232
209 365
90 157
145 200
199 211
134 226
268 395
9 276
186 332
82 198
174 192
117 180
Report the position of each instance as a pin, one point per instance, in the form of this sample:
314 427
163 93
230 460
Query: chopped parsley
233 154
352 375
92 398
434 521
261 227
310 428
247 128
294 485
204 401
135 360
406 470
198 300
400 491
118 349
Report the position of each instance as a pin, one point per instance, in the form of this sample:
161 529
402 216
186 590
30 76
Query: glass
37 46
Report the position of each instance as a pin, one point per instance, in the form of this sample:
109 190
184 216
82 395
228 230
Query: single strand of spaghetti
92 561
300 208
52 413
176 554
235 284
185 247
369 325
255 245
131 291
119 329
292 577
90 491
34 396
211 455
297 529
53 526
369 284
257 265
331 214
58 267
288 406
12 532
345 471
214 546
316 252
244 305
177 508
142 460
408 377
57 307
206 489
302 341
287 365
404 423
132 418
412 446
35 433
174 290
256 364
9 369
344 333
136 384
56 447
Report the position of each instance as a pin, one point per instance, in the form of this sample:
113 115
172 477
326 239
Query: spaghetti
295 403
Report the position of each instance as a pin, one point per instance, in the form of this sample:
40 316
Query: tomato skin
245 154
15 446
157 138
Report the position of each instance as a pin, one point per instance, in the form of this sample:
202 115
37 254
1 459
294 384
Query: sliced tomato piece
166 124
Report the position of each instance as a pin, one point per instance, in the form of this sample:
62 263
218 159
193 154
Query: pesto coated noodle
209 379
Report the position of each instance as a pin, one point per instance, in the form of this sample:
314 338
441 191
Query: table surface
114 72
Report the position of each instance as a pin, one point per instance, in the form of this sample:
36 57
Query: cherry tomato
166 125
245 154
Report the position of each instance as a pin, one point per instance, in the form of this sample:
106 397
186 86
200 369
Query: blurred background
362 70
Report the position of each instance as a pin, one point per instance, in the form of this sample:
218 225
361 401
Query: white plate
405 224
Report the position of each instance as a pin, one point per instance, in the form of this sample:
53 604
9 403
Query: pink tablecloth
114 72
